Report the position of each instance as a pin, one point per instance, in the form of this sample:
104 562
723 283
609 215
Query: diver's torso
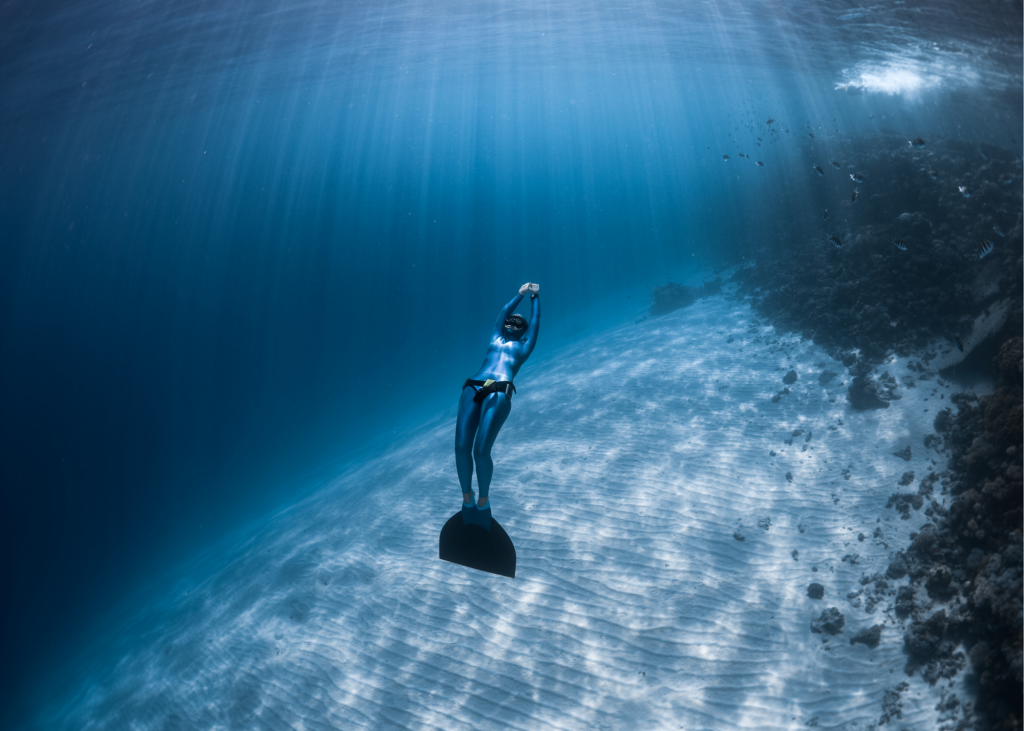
503 360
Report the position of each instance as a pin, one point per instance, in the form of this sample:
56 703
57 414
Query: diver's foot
476 516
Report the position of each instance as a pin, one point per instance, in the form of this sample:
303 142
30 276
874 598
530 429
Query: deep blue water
242 243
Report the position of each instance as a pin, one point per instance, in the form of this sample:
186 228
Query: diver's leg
465 431
496 409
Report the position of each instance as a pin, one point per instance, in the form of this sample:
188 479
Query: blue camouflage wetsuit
487 400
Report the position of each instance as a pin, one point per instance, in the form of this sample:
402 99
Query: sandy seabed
664 559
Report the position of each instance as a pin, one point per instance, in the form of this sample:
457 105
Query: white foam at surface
627 464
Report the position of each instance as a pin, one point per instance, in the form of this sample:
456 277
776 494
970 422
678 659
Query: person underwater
487 400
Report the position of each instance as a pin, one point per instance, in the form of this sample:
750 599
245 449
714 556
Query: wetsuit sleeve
506 310
530 339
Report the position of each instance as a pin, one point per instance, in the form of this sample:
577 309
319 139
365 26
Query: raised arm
505 312
530 338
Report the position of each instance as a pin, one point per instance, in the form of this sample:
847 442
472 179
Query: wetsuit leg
465 431
496 408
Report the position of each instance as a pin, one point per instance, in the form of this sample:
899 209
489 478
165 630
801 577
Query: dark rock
860 369
922 640
905 601
739 536
864 394
816 591
924 543
831 621
790 378
907 478
849 359
938 582
870 636
903 502
897 567
892 706
904 454
825 377
789 476
943 420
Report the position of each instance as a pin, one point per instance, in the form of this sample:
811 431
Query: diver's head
515 326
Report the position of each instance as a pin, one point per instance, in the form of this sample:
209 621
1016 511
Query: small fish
811 135
916 142
984 249
825 217
759 164
759 139
900 244
1005 178
958 343
769 122
933 175
834 164
853 198
964 192
834 240
999 231
857 177
725 157
820 171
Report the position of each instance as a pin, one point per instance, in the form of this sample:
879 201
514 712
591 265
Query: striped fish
834 164
819 170
918 142
959 344
933 175
984 249
999 231
725 157
963 191
853 198
760 164
857 177
900 244
834 240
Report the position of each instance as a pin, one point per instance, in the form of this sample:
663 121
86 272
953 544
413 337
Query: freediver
487 400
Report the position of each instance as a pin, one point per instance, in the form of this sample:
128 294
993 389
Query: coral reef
972 557
869 295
